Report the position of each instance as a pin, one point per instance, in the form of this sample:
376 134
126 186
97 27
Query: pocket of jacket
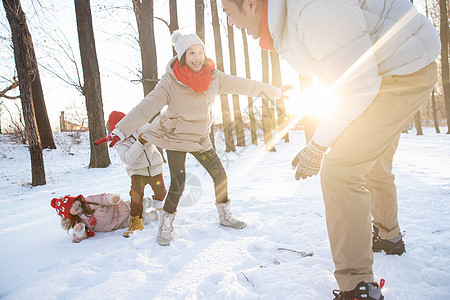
196 128
168 124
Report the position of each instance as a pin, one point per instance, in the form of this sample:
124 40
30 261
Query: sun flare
317 101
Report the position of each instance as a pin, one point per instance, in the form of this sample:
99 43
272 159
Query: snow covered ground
206 261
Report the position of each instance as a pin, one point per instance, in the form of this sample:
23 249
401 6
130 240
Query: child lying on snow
102 212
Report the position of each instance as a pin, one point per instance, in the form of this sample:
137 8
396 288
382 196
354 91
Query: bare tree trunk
308 121
173 20
251 112
418 123
433 108
62 122
273 124
40 110
200 31
22 43
417 117
238 124
92 86
143 11
173 17
200 19
266 120
282 122
444 34
226 119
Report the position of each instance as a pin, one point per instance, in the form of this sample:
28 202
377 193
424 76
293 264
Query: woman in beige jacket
188 89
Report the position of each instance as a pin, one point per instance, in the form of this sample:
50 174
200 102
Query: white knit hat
183 42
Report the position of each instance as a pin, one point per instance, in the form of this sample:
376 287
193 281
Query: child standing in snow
101 212
144 166
188 89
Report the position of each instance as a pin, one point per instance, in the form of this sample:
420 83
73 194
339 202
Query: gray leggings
177 166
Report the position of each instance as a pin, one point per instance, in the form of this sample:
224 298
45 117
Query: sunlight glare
318 101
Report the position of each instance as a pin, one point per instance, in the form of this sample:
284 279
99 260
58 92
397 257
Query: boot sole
391 252
128 234
231 226
164 243
394 251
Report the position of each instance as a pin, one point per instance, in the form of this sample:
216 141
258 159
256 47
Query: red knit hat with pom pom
63 205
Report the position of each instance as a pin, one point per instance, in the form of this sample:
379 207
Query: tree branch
164 21
13 85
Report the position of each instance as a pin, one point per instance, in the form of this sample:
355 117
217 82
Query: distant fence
65 125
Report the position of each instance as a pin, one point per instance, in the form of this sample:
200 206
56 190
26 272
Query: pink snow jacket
109 216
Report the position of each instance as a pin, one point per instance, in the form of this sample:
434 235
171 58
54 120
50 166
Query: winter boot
146 203
363 291
226 217
165 228
150 217
158 205
151 202
136 223
390 247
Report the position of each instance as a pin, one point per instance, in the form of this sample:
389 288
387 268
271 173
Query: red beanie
114 118
63 205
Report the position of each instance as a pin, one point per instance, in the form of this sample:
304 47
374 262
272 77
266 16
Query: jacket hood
169 69
277 15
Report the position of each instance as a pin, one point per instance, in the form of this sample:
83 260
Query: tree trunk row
26 73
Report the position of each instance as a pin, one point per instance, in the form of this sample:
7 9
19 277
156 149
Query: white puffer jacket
140 159
351 44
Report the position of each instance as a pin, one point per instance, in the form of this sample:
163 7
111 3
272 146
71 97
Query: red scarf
266 40
198 82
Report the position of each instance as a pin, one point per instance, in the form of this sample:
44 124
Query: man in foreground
378 58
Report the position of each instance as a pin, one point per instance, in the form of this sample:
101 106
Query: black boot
390 247
363 291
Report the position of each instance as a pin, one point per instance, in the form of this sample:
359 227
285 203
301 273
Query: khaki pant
356 175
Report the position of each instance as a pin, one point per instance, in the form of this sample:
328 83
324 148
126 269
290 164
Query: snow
269 259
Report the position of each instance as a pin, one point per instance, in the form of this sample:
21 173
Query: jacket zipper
146 157
149 163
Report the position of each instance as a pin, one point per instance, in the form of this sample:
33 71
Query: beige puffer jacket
140 159
351 44
186 123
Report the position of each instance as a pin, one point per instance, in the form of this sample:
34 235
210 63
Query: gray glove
308 161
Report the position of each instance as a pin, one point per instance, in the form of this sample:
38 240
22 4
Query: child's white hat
183 42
